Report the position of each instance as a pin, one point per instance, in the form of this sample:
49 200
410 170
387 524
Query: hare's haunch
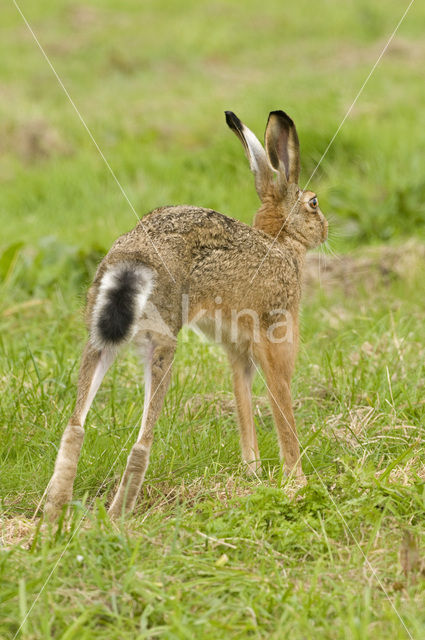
240 285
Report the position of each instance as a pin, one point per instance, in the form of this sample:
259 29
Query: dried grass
16 531
222 403
406 474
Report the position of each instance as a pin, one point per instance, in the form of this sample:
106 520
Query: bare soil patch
367 268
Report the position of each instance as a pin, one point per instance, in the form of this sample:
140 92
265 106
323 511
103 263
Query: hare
184 264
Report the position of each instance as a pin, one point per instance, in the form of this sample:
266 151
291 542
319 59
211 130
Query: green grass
152 83
210 553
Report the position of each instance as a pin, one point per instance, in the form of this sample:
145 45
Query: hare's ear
255 153
282 146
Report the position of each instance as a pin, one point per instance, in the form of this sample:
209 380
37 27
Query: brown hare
185 264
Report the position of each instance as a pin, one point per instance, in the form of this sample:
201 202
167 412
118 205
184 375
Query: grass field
210 552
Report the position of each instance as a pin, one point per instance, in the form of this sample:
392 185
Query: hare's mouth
325 226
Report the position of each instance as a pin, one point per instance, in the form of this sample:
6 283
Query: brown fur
220 268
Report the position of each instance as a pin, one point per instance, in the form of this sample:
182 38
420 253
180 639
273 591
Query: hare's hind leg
277 360
94 365
243 373
159 360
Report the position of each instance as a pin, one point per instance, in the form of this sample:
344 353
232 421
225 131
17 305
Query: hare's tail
122 295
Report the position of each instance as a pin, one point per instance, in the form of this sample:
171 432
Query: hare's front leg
159 359
94 365
243 373
276 360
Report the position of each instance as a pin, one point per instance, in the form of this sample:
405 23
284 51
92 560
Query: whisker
326 245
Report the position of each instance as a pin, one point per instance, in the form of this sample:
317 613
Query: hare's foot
60 492
295 482
300 480
253 467
296 476
60 486
129 487
121 506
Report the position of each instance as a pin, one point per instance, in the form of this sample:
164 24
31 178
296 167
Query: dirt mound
367 268
33 140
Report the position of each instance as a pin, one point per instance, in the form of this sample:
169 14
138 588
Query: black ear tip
233 120
282 115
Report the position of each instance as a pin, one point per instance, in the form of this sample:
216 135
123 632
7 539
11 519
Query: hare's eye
313 203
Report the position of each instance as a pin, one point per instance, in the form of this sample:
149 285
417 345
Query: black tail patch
118 310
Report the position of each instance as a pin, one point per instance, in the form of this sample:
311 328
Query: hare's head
286 209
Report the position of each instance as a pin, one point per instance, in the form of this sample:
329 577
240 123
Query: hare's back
176 237
203 248
221 257
199 226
